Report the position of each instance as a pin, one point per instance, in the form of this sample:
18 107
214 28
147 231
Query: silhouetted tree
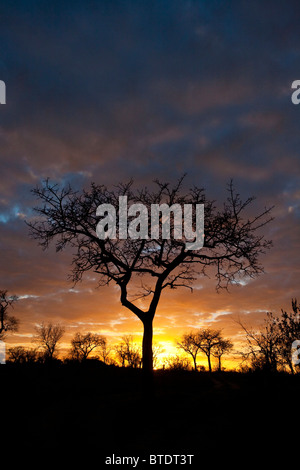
21 355
223 347
208 339
7 321
263 344
84 344
128 353
232 243
177 362
157 350
104 351
189 344
121 353
48 335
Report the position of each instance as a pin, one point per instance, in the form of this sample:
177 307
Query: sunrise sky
111 90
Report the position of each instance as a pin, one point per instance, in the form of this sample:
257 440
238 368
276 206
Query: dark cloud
110 90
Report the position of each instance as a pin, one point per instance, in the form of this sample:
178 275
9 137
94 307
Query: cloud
115 90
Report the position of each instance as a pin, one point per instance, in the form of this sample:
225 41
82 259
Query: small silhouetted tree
232 243
128 352
84 344
104 351
21 355
223 347
7 322
263 344
208 339
48 336
177 362
121 353
189 344
157 351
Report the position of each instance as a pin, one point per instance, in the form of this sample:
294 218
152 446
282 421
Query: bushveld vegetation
90 401
268 348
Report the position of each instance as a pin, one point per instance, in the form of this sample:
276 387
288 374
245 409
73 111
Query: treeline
126 353
83 347
272 347
275 345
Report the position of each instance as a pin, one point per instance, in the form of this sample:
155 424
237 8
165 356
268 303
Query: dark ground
72 412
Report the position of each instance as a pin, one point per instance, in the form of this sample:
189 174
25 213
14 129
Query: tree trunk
209 362
147 345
